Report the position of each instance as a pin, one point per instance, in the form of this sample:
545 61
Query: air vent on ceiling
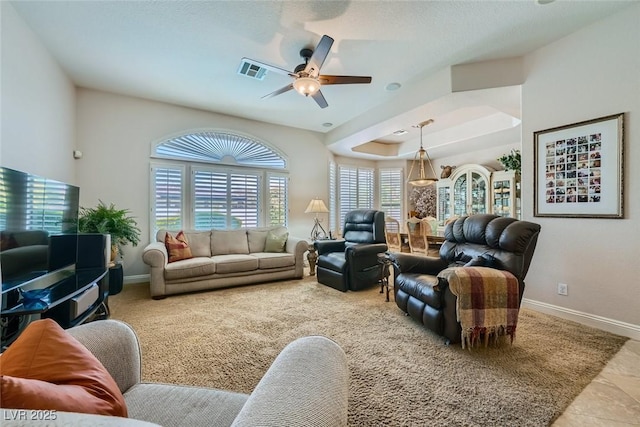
252 70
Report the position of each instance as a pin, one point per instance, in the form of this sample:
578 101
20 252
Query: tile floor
613 397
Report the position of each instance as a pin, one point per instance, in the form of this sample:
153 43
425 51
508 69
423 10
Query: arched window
217 179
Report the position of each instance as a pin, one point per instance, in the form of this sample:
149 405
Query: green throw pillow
276 240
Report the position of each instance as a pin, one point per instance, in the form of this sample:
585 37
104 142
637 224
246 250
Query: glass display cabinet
505 194
465 193
444 200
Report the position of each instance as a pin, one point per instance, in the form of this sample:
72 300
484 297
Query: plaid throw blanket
487 303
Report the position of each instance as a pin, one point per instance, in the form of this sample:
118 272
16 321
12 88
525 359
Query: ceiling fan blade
279 91
343 80
319 55
269 67
319 98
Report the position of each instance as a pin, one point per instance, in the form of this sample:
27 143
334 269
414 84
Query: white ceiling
188 53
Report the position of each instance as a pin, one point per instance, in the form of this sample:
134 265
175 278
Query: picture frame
578 169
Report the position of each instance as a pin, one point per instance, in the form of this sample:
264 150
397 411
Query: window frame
221 163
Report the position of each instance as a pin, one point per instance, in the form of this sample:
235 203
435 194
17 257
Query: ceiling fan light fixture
306 85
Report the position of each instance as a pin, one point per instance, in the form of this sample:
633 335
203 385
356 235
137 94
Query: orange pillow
177 247
46 368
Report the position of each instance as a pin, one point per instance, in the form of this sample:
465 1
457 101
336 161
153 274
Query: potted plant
110 220
511 161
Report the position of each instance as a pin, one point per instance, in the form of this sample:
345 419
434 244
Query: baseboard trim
599 322
139 278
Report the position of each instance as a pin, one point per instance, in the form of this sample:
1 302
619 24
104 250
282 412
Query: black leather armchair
486 240
352 263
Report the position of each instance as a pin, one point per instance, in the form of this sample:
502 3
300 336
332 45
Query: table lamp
317 206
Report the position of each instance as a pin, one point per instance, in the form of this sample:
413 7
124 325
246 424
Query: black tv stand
76 299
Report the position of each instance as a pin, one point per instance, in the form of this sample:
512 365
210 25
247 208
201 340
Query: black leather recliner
352 263
481 240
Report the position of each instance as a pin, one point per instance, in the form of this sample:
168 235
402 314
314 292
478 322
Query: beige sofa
307 385
222 258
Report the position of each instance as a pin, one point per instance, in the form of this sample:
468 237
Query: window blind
167 198
391 189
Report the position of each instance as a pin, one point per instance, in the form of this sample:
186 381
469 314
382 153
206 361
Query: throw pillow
276 240
177 247
46 368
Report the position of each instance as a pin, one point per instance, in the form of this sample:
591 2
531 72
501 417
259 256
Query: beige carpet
401 374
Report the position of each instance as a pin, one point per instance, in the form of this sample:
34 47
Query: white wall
592 73
487 157
37 104
115 134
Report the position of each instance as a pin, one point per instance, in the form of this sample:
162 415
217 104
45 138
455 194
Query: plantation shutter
355 189
210 202
347 190
246 185
333 202
245 201
225 200
365 188
391 186
168 186
278 190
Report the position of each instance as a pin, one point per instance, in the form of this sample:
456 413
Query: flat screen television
38 230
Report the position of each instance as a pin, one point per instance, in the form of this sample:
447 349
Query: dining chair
392 234
417 231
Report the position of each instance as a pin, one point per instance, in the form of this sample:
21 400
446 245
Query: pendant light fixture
421 154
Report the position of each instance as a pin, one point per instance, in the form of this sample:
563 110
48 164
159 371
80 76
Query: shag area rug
401 374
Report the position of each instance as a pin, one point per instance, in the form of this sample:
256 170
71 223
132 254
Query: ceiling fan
307 78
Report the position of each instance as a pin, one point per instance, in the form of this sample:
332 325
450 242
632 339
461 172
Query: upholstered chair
417 232
487 240
392 234
352 263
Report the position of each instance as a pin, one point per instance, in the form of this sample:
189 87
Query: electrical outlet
563 289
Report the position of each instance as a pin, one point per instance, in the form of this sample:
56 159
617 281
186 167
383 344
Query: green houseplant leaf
109 220
511 161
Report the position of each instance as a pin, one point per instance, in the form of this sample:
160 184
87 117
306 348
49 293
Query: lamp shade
421 155
316 206
306 85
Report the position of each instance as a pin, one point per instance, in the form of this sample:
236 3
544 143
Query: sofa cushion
177 247
276 240
199 242
34 376
234 263
194 267
268 260
257 238
173 405
225 242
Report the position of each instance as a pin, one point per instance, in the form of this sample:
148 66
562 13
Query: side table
385 272
312 257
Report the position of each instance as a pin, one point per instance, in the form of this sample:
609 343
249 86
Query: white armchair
306 385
